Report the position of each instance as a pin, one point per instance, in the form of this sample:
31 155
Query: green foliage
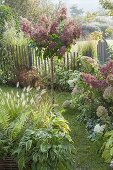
107 148
96 35
5 15
88 49
61 77
47 148
12 36
6 64
31 9
75 11
107 4
31 133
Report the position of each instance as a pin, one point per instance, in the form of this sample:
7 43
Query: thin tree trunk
52 83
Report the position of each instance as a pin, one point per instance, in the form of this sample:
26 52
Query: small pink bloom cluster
54 28
107 69
55 36
93 81
26 26
108 93
62 50
70 32
62 14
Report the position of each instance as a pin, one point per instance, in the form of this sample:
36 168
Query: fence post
103 51
30 57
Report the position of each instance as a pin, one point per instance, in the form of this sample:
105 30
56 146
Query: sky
87 5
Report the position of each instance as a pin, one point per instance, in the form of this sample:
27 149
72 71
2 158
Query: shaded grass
87 152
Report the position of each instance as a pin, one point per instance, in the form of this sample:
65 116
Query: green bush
12 36
6 14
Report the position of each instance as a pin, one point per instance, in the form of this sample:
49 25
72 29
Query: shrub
6 14
27 77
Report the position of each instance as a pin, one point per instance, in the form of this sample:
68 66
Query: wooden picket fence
14 57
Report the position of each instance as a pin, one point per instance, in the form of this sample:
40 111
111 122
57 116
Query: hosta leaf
111 151
45 147
28 145
106 156
35 157
21 163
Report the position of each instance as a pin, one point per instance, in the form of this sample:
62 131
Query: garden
56 87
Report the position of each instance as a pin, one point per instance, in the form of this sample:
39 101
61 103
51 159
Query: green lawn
87 156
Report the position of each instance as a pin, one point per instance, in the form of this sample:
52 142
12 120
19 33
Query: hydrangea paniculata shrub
53 36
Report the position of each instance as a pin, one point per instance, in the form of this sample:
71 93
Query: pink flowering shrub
53 36
103 78
93 82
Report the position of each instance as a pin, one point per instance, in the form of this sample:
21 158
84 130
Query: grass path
87 156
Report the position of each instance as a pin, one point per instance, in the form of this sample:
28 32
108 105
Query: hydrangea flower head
99 128
102 112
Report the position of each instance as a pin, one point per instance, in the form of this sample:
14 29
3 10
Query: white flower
99 128
71 83
111 164
23 103
22 96
17 85
75 80
75 91
17 94
31 101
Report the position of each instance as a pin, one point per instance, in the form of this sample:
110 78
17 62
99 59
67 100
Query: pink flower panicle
107 69
57 35
26 26
62 51
92 81
70 33
62 14
45 22
54 28
52 45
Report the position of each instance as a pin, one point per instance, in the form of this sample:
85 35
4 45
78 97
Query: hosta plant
45 148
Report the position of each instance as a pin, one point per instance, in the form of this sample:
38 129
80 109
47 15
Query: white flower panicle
99 128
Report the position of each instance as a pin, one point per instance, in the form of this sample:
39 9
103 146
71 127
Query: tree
31 9
6 14
91 16
108 5
75 11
